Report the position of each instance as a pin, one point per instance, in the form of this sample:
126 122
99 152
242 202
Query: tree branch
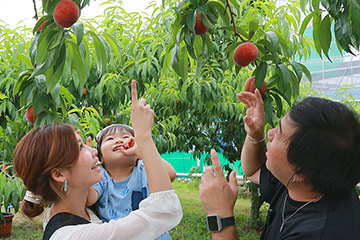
36 15
232 20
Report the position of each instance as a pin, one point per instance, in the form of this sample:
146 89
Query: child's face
113 145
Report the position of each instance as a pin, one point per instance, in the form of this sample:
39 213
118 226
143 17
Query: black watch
215 223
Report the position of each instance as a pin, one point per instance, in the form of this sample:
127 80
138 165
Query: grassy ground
192 226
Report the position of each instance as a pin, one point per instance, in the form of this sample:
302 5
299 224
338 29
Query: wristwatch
215 223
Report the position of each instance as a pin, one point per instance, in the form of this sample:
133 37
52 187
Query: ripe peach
66 13
30 115
249 85
200 28
245 53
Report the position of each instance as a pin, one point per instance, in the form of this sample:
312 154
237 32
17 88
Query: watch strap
228 221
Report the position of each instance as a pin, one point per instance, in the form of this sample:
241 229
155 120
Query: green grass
25 229
191 227
193 224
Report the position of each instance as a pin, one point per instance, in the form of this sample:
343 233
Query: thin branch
36 15
232 20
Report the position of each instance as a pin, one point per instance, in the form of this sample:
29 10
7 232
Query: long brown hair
38 152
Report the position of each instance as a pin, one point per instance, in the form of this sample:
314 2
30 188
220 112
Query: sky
11 13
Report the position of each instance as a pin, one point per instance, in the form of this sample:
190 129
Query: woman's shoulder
60 220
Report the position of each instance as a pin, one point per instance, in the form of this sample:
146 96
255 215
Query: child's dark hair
108 130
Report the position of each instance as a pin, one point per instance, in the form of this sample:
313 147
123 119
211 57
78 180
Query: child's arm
170 170
142 117
92 197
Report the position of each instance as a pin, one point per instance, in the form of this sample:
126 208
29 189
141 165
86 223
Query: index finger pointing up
134 95
216 165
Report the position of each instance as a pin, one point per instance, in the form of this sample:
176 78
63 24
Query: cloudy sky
13 11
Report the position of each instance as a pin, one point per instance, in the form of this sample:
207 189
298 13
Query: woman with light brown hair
58 168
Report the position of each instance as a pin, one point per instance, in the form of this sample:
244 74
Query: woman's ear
58 175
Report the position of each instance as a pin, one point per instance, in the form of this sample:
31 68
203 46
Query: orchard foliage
343 16
190 80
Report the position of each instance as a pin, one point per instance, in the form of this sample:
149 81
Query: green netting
183 162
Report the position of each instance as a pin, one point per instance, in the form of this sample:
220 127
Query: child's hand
131 148
142 116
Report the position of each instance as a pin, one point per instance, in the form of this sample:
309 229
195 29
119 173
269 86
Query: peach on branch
66 13
41 26
245 53
200 28
30 115
249 85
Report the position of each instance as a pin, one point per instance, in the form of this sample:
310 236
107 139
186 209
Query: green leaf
253 27
26 60
316 33
268 110
40 69
285 78
183 63
279 105
189 93
54 75
355 20
208 43
78 64
100 52
260 74
315 4
114 45
198 45
303 4
78 29
191 20
179 7
57 39
175 59
325 33
39 103
297 68
305 23
342 32
221 10
273 38
294 85
284 46
306 71
206 21
43 44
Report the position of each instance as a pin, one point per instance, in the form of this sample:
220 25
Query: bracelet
256 142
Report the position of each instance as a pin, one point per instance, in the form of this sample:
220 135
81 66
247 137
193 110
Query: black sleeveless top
60 220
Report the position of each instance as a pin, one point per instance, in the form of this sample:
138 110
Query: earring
64 188
294 180
65 185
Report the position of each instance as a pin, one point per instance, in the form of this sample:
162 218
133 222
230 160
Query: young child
124 184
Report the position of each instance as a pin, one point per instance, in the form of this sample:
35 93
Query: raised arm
253 151
170 170
142 117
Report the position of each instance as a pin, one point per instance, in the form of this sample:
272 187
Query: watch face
213 223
